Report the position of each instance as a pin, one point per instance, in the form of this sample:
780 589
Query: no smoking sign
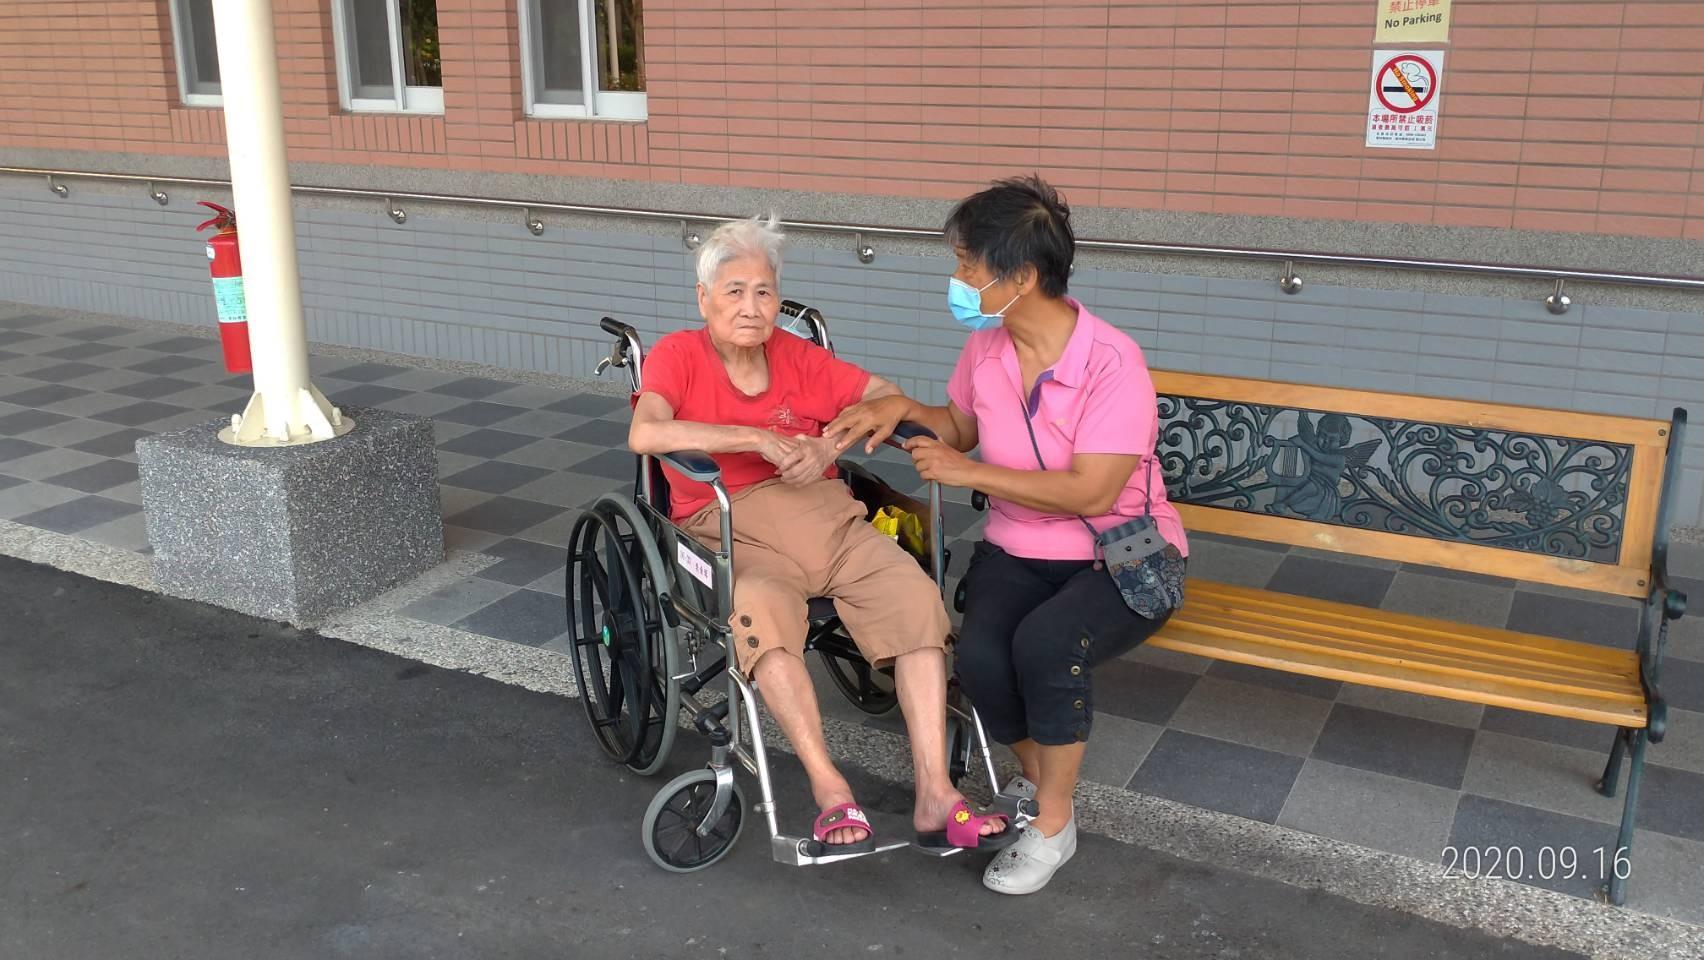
1402 110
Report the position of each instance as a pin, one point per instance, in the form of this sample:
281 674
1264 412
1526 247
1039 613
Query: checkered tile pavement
1387 770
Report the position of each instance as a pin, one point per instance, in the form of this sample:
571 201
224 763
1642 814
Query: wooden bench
1569 499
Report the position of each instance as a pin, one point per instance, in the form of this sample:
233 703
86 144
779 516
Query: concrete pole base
293 533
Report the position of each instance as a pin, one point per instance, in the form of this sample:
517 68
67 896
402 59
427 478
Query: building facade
1568 134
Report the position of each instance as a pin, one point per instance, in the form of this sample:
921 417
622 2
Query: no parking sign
1402 108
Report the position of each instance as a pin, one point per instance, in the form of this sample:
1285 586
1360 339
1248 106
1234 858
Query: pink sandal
842 815
964 832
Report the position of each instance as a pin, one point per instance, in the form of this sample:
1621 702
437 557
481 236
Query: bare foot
931 814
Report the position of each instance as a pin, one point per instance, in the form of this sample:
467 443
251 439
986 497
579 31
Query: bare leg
920 678
791 698
1028 753
1059 768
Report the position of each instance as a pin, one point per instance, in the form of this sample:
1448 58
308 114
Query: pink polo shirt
1098 398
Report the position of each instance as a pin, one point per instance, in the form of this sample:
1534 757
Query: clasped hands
877 419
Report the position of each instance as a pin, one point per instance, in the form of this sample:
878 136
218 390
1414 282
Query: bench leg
1612 771
1620 860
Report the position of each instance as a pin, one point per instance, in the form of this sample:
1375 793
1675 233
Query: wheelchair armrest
693 464
907 429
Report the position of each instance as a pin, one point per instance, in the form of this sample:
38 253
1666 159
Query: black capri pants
1033 632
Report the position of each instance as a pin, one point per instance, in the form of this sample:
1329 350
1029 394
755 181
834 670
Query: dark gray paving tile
78 515
97 477
1683 682
486 443
1572 619
1276 679
1227 777
139 413
1435 753
105 332
1463 576
598 433
1140 691
611 464
1331 580
1569 733
25 421
367 372
11 448
504 515
179 345
119 443
6 482
525 616
42 396
523 561
368 395
80 351
495 476
154 388
9 337
1483 824
587 405
1444 598
60 372
957 519
480 414
471 388
1238 542
1225 562
165 366
1672 801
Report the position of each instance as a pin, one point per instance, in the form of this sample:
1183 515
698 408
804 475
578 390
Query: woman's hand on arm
655 431
877 417
1088 488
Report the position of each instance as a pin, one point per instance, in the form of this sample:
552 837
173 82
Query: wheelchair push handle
625 353
616 328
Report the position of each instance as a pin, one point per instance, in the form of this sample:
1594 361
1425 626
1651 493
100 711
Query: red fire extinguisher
227 270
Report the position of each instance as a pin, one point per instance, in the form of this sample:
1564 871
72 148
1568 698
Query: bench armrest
693 464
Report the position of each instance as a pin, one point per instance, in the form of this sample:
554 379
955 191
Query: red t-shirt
808 387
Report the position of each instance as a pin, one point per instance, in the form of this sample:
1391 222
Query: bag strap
1094 535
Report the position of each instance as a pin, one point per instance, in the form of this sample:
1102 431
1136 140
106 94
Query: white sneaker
1027 866
1018 786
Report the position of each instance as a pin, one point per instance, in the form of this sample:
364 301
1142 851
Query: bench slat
1403 652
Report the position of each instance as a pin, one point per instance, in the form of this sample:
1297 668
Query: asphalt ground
181 781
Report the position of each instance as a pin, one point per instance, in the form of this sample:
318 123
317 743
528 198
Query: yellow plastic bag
902 526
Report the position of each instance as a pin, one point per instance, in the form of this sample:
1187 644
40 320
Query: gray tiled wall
493 293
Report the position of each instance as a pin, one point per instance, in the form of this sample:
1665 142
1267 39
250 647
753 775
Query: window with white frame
197 53
583 58
387 55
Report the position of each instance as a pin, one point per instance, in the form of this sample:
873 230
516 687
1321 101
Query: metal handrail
1558 301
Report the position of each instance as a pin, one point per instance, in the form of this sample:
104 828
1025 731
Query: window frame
428 101
627 105
182 49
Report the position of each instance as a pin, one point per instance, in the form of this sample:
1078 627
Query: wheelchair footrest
794 851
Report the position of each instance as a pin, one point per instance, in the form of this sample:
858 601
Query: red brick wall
1567 115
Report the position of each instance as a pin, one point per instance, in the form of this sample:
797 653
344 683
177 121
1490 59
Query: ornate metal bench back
1528 492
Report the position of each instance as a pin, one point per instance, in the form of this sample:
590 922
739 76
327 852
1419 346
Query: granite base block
293 533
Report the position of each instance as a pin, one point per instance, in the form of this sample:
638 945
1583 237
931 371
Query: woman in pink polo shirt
1063 410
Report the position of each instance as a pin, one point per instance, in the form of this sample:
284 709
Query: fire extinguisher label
228 297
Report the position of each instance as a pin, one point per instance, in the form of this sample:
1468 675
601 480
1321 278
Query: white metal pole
285 407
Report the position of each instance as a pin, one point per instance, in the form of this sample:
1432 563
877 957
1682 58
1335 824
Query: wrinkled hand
938 462
811 456
777 448
875 419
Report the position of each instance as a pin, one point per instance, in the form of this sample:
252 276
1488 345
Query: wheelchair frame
695 578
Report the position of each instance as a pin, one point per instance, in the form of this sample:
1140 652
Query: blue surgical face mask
966 303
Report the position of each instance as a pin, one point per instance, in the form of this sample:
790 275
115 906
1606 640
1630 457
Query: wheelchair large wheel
625 651
670 831
870 690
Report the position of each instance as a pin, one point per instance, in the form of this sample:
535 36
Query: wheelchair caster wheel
670 831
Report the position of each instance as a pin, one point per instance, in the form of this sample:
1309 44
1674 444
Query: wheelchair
648 609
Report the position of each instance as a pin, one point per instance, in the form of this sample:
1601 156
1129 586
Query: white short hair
758 236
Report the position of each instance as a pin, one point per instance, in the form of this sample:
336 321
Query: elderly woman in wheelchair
738 404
